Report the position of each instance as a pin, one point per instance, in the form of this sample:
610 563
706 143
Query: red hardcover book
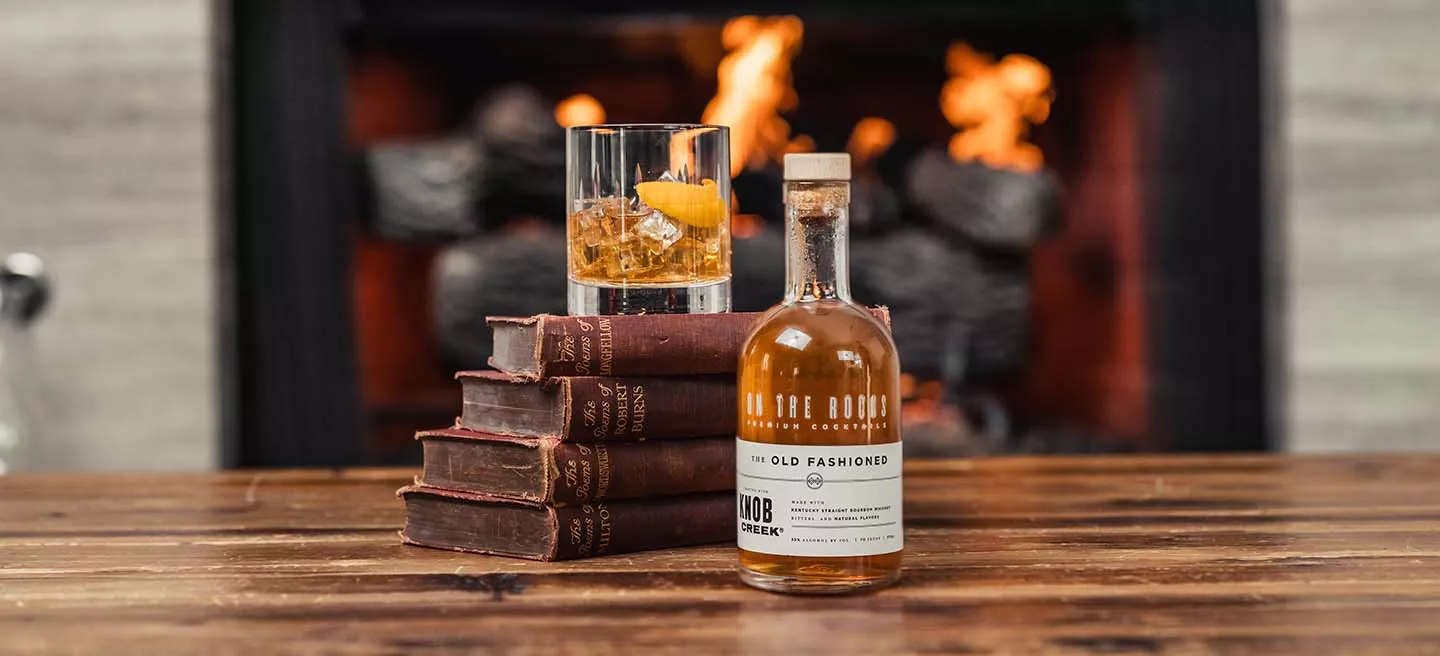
595 409
545 346
546 470
464 521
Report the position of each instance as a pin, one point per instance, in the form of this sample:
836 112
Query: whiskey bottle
818 454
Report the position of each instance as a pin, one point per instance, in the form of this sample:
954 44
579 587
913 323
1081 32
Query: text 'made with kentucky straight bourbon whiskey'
818 452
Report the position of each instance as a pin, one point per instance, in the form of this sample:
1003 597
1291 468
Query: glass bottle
818 455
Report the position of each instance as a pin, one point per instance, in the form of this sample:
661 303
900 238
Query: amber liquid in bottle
819 371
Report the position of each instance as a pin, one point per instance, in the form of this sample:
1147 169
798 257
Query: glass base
812 586
586 299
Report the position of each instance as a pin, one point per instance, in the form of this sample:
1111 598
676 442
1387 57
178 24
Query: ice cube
658 231
684 258
609 205
610 213
590 225
637 208
592 228
632 257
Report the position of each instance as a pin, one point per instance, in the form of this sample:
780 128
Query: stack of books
591 436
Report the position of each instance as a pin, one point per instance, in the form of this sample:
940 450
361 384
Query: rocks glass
649 223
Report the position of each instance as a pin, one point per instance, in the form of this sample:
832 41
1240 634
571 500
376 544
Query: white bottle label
797 500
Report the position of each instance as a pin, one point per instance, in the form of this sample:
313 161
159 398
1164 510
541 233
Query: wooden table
1065 555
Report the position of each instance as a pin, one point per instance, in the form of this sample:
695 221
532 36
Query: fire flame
869 140
745 226
993 105
755 86
579 109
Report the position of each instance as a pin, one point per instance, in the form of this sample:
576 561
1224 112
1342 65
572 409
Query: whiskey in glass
649 219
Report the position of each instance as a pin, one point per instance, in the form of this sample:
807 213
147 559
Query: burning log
996 209
510 164
874 206
424 191
524 153
932 292
958 315
515 272
1000 335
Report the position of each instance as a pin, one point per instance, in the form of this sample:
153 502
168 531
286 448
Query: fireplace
1136 322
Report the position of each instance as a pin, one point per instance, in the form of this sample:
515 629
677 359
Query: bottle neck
817 219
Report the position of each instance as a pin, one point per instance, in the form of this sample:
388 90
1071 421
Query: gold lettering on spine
576 533
572 477
586 487
607 347
605 529
582 366
622 408
602 470
637 410
567 349
602 428
587 544
589 414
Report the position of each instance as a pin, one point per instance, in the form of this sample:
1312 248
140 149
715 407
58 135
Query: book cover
545 346
597 409
464 521
546 470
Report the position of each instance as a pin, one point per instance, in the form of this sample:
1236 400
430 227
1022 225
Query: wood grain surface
1246 554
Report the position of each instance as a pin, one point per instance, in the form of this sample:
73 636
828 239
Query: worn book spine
624 345
560 473
594 409
589 473
462 521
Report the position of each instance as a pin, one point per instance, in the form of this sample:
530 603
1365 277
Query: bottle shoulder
809 327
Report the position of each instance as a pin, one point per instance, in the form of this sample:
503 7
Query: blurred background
264 233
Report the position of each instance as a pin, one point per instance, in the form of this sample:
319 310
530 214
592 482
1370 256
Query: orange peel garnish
697 205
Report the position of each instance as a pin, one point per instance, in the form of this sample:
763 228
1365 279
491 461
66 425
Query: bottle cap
817 166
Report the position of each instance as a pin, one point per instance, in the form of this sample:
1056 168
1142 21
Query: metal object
24 288
24 293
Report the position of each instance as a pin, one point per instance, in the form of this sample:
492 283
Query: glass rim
647 127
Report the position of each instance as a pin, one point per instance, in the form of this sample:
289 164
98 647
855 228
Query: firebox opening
889 96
